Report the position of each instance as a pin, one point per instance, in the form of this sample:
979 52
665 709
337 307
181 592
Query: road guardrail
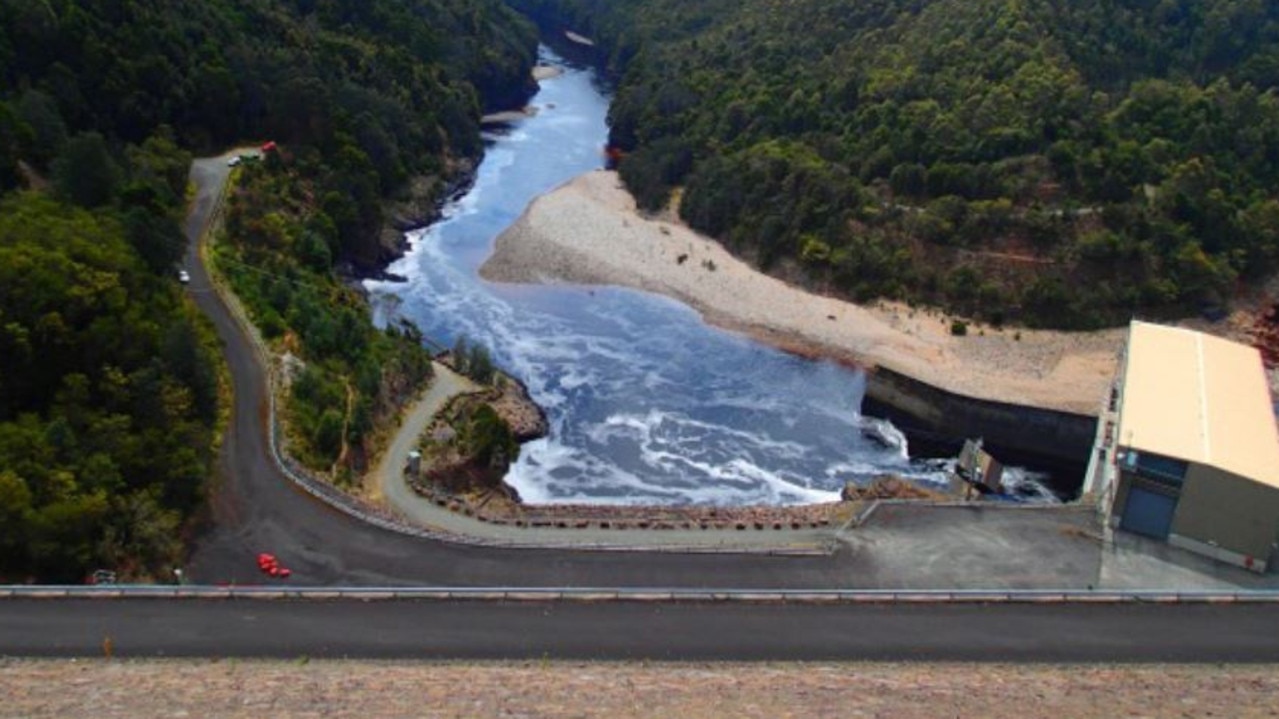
641 594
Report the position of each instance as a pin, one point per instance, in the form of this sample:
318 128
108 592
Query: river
647 403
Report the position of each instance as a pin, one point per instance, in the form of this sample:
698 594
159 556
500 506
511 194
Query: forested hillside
1064 164
108 382
382 90
108 397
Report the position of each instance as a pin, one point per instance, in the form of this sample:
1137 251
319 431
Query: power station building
1187 448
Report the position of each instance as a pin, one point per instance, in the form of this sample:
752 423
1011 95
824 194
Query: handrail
644 594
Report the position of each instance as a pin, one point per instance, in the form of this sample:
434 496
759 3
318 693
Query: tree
151 230
160 163
122 399
328 434
85 173
14 134
15 507
489 439
908 180
480 364
461 355
48 133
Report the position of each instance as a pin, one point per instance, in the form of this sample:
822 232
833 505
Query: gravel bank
588 231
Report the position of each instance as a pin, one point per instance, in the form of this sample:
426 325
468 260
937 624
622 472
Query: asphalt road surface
637 630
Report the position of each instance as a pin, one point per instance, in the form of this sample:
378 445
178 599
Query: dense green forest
108 380
1064 164
383 90
108 397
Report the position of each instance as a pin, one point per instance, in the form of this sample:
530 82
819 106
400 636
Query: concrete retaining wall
1016 434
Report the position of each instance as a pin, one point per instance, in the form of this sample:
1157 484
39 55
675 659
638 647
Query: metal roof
1198 398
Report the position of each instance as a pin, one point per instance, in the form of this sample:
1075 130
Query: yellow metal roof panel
1198 398
1241 422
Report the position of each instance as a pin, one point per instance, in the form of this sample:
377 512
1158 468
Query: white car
184 277
233 161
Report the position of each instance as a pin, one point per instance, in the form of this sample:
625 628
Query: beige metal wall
1224 509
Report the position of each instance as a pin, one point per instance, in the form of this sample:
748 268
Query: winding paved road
389 473
257 509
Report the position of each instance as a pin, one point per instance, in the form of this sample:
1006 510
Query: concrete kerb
655 595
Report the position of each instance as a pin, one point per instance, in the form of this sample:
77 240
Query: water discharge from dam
647 403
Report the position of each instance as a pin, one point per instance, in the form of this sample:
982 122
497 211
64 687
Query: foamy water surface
647 403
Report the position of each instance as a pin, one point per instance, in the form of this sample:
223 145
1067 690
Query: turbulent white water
647 403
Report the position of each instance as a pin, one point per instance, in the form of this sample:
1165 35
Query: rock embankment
513 403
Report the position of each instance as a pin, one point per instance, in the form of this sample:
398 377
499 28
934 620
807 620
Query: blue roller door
1148 513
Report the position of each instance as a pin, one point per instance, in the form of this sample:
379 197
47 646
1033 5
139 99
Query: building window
1164 470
